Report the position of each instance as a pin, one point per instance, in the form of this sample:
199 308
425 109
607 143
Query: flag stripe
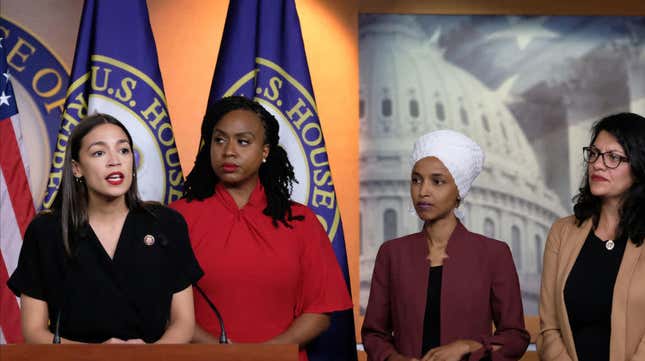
14 172
17 211
10 242
16 202
10 238
10 315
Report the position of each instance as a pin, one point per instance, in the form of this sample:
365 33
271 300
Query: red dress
259 276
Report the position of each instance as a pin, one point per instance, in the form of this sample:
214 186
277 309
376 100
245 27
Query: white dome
397 62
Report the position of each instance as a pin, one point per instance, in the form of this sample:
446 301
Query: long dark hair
629 130
276 175
72 197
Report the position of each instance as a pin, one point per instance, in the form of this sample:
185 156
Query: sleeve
377 325
187 270
550 345
28 275
506 307
323 287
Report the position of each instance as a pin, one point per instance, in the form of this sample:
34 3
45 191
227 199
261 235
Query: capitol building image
407 88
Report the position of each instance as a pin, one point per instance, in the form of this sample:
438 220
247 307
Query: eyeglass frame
600 154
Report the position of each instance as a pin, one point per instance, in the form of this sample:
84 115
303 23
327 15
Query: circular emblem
300 135
39 79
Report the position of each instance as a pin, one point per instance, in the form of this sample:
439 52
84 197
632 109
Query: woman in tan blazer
592 301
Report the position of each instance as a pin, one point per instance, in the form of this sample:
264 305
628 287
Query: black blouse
432 318
98 297
588 294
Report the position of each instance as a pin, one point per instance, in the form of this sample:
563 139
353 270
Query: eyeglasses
610 159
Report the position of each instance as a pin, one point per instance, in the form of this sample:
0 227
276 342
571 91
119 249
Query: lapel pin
149 240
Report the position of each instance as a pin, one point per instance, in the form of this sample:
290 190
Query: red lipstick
229 167
115 178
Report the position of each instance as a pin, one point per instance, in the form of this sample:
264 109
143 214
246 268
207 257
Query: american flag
16 201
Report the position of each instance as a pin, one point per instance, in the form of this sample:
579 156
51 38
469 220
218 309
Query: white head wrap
461 155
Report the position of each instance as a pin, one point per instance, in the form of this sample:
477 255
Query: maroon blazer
479 286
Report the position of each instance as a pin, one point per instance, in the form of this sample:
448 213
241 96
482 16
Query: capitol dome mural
408 88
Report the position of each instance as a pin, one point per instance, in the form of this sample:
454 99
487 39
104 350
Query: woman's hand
137 341
303 329
114 340
453 351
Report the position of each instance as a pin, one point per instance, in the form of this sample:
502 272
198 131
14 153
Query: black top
588 294
98 297
432 318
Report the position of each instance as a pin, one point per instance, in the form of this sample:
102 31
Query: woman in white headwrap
436 294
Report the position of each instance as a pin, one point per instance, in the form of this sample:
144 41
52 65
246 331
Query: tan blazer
555 341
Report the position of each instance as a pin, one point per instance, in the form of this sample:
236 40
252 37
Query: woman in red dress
269 266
